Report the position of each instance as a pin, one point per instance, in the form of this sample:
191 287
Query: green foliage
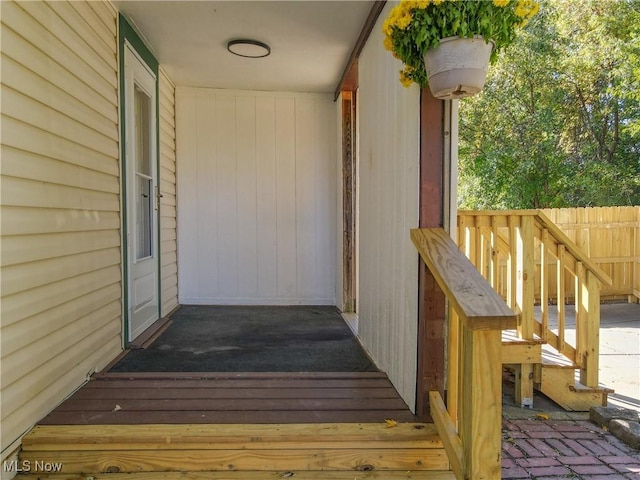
558 123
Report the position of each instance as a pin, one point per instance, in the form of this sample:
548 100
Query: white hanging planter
457 68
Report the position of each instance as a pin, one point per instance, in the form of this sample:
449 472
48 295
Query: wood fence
611 238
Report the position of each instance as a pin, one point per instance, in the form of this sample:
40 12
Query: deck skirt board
347 447
232 398
261 475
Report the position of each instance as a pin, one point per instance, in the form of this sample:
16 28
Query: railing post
591 305
525 297
481 412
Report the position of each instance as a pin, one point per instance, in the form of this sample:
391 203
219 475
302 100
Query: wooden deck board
130 399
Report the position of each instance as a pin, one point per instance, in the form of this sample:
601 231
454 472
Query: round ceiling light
248 48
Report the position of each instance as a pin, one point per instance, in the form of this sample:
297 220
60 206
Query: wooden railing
506 246
470 424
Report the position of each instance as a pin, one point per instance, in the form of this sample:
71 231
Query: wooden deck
226 398
235 426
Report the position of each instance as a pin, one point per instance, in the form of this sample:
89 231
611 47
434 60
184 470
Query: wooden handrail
478 305
470 426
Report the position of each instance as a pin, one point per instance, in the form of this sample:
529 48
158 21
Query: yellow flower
422 4
437 2
388 43
386 27
404 21
501 3
405 79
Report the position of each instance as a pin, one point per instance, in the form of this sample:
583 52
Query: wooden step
349 447
254 475
560 385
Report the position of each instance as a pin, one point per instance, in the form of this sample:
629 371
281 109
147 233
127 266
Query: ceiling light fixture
248 48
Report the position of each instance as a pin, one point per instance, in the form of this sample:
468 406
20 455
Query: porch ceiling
310 41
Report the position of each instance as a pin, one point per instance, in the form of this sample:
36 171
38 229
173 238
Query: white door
141 196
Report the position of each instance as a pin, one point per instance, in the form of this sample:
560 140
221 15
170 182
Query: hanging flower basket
416 30
457 68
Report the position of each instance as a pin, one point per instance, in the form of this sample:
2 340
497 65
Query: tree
558 123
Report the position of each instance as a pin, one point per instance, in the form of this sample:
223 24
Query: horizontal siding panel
168 173
23 277
19 192
73 40
24 25
101 42
104 32
26 304
22 221
24 81
30 248
61 259
19 335
167 138
169 213
106 12
168 221
20 50
22 136
44 349
168 160
27 110
168 185
26 165
38 402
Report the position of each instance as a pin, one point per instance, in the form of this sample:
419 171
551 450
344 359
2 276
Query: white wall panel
256 197
389 117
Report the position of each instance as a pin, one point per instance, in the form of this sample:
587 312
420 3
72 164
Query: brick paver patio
554 449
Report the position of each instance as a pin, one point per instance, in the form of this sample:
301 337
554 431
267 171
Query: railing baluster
581 321
561 299
544 284
495 255
453 365
512 265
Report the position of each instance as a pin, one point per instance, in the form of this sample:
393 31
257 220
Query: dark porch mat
203 338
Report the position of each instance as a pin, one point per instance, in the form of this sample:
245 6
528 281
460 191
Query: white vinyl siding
389 117
61 292
168 242
256 197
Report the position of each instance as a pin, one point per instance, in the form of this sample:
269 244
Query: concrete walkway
547 442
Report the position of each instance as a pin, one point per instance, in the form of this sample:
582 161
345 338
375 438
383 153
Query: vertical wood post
481 412
525 293
348 203
591 302
431 300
